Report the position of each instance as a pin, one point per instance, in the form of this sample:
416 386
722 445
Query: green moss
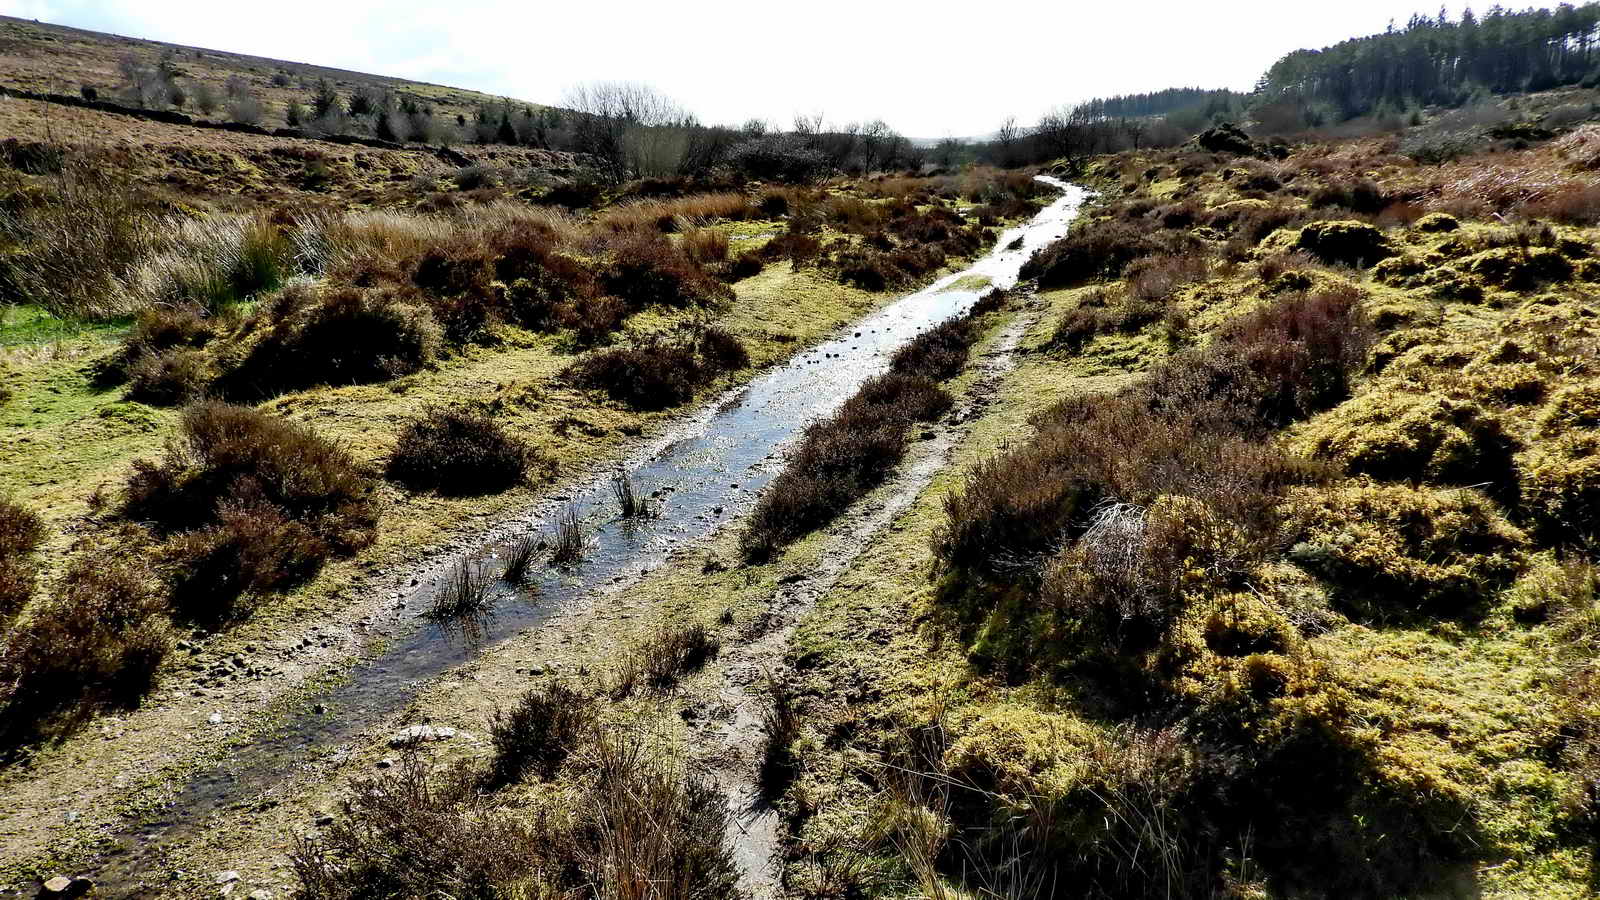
1393 435
1344 243
1392 550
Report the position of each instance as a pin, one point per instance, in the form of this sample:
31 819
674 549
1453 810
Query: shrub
20 534
661 659
938 353
747 264
337 336
413 832
778 158
593 319
1357 195
651 271
1344 243
1191 428
1101 249
97 641
545 727
164 379
458 451
841 458
662 371
1392 549
254 503
1104 311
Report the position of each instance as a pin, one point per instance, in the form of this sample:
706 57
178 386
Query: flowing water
712 467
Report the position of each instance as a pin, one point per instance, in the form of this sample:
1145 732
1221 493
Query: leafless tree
618 122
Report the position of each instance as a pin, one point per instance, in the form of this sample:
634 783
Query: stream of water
713 466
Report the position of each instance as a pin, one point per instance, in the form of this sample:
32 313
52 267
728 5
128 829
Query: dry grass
680 214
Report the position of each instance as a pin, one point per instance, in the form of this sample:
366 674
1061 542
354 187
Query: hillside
56 59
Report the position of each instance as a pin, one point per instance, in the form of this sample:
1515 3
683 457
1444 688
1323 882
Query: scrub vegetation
1255 561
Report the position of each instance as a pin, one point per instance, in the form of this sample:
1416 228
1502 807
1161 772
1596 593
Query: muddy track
712 465
727 744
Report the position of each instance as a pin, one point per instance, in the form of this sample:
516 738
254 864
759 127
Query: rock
261 894
419 734
62 886
324 821
536 670
214 718
226 877
386 762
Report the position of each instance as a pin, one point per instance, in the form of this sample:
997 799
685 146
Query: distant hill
58 59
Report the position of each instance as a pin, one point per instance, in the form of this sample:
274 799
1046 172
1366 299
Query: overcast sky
930 69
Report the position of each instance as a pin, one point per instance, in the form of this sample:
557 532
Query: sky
930 69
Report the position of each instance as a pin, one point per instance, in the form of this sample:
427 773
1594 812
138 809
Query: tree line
1437 61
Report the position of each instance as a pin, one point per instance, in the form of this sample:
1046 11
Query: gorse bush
662 371
460 451
251 503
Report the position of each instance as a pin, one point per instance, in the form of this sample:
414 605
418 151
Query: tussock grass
629 504
466 591
658 661
519 560
567 541
635 826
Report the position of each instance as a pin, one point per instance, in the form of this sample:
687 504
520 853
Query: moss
1435 223
1398 270
1518 268
1344 243
1394 549
1573 407
1560 481
1392 435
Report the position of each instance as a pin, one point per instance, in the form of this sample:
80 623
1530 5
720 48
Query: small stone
324 821
57 885
386 762
261 894
214 718
226 877
536 669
